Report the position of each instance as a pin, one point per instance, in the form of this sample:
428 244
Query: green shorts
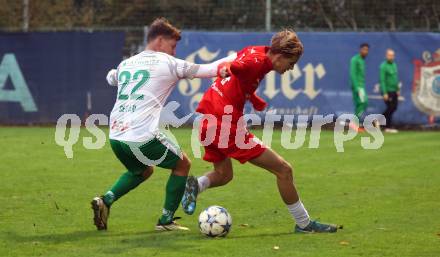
136 157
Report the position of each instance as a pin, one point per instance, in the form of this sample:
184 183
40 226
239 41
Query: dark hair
364 44
162 27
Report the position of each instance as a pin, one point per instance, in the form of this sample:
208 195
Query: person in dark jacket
389 85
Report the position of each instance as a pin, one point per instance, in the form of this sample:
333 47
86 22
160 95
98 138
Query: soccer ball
215 221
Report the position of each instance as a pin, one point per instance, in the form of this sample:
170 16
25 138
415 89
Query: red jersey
248 69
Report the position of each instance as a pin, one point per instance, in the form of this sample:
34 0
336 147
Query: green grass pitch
388 201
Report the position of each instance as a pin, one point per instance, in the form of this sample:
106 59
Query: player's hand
112 79
224 70
385 97
257 102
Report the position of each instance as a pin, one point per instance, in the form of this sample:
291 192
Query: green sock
125 183
174 193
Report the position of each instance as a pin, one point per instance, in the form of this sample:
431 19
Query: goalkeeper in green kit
357 81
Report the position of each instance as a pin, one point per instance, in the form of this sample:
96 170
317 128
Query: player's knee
285 171
227 178
183 166
147 173
186 163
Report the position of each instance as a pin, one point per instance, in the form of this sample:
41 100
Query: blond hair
287 43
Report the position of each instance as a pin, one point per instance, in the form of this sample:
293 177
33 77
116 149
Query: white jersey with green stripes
144 83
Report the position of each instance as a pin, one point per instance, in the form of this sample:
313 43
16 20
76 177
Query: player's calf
284 172
183 166
189 199
221 175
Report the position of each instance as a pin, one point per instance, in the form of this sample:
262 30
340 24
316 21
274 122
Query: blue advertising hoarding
319 84
45 75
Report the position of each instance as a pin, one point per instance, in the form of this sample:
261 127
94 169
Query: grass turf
387 200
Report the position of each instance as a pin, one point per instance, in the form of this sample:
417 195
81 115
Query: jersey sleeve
187 70
181 69
246 68
207 70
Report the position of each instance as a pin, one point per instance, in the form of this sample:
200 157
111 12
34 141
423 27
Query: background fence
229 15
54 54
220 15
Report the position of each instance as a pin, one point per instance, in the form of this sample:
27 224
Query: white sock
203 183
299 213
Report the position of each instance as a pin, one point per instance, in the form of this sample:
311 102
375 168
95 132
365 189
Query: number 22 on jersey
126 77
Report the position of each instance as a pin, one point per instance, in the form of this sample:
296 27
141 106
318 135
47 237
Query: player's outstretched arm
190 70
220 67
